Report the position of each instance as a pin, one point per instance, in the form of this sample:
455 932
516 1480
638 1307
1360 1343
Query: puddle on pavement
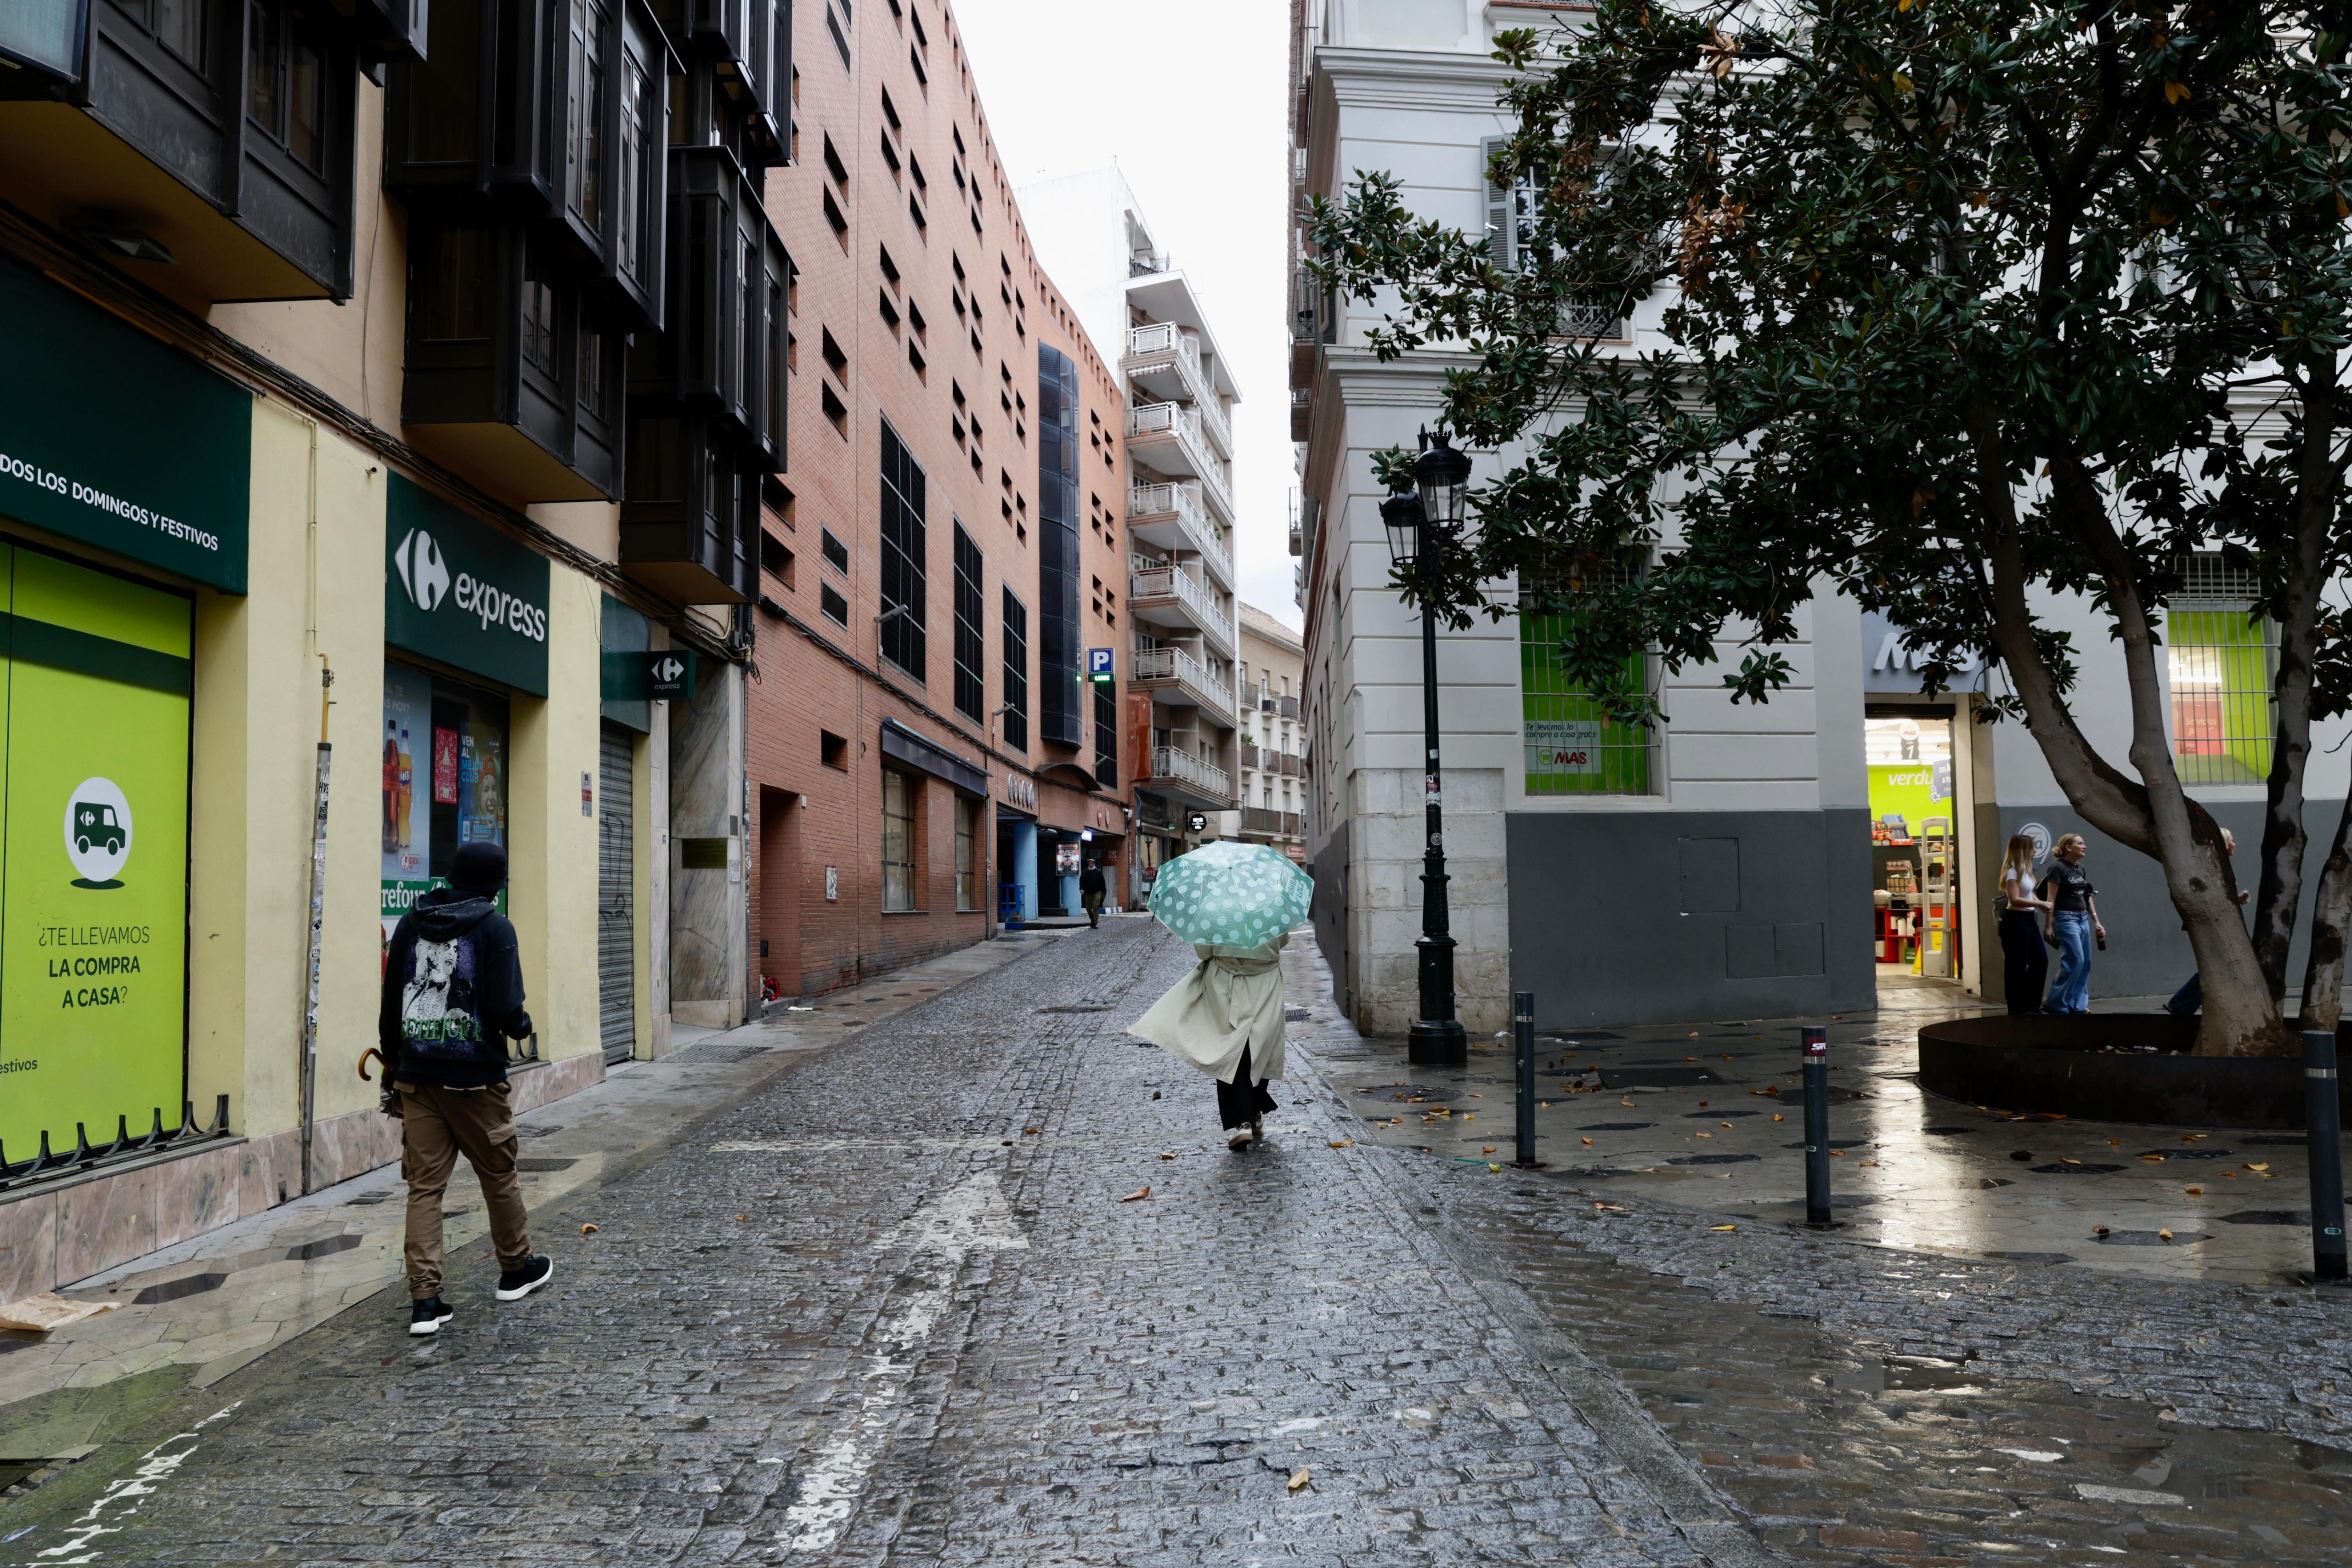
1937 1175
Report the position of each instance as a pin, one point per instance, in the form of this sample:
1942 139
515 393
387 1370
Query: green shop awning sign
460 592
109 437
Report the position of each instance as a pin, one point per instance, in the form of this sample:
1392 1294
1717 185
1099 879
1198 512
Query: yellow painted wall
253 762
552 854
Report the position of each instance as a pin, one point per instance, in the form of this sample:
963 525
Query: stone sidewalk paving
1859 1397
192 1315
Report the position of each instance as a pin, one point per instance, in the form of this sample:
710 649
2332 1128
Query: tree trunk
2279 884
2323 975
2240 1018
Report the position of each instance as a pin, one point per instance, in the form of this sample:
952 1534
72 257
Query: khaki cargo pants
435 1125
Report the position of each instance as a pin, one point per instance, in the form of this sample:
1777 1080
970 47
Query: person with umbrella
1236 904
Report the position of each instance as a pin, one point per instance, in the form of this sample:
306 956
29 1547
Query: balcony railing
1184 767
1163 344
1174 582
1290 767
1249 754
1190 457
1148 503
1189 674
1274 824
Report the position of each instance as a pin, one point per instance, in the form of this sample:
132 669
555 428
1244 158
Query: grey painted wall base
1643 917
2147 952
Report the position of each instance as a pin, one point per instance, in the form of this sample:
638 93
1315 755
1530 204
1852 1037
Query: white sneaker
1240 1137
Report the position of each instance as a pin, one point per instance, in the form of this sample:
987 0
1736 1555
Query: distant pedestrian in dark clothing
1090 893
452 998
2025 963
2189 999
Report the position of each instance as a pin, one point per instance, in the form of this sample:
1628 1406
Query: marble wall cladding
345 1146
545 1085
28 1245
195 1195
266 1171
103 1222
707 907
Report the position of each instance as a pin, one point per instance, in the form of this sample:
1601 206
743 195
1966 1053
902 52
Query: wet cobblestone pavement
893 1309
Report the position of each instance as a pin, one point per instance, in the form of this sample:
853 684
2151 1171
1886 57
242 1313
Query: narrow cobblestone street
896 1307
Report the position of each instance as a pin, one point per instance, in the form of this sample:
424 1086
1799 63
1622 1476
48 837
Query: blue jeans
2070 991
2190 997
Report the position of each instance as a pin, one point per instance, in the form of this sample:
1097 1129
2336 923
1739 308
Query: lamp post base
1437 1043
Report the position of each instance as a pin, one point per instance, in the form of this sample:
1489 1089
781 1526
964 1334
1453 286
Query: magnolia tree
1963 299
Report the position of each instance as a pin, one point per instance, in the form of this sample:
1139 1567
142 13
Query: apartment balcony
1260 822
1205 783
1173 518
208 150
1287 707
1173 676
1167 438
1161 360
1288 766
1249 754
1172 596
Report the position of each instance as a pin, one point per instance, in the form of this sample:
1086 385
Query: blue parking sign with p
1098 663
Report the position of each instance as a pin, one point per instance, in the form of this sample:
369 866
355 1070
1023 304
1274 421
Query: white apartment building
1272 737
1739 860
1184 637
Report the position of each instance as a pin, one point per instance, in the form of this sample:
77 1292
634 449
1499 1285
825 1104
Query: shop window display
444 781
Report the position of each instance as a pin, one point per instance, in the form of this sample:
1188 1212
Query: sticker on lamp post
98 832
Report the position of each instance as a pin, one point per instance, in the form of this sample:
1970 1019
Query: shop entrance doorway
616 896
1917 807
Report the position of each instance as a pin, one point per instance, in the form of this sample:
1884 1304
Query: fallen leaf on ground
1171 1156
2194 1192
587 1230
1777 1117
1301 1479
2258 1165
1028 1132
1723 1228
1866 1162
2098 1230
1133 1196
1837 1153
1724 1124
2067 1160
742 1217
2164 1236
1477 1097
1487 1149
1625 1100
2194 1137
1612 1208
1707 1134
2153 1159
1336 1143
1586 1142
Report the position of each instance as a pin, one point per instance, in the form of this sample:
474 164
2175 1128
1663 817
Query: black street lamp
1421 524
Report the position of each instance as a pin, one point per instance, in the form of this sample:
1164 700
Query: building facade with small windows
1182 645
928 756
1774 860
1273 734
336 351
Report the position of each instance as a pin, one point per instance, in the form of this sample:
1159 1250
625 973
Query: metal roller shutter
616 985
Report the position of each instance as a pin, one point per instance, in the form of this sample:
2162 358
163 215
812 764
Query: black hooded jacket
452 992
1091 881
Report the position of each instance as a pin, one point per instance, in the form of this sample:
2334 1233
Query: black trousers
2025 960
1243 1099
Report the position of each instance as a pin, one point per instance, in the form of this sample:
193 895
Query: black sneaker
426 1317
514 1284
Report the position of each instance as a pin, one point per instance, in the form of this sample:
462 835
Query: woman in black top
2074 923
2025 965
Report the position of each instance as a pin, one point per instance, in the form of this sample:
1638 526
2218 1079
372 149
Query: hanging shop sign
664 675
94 755
458 591
109 437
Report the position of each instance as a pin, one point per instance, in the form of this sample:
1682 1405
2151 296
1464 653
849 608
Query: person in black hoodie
452 998
1090 893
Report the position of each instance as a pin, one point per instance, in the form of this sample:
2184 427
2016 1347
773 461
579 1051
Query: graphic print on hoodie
437 1006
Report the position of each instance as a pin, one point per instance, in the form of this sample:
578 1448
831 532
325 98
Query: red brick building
943 551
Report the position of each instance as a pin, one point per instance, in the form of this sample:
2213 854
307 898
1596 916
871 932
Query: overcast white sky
1187 99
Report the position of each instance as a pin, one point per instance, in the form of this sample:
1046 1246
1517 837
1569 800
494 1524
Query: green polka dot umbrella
1231 894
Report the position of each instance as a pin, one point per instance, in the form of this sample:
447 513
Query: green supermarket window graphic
98 833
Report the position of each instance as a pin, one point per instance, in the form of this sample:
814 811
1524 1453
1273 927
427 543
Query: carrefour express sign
458 591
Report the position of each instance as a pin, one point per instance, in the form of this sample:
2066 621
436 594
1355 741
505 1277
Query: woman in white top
2025 961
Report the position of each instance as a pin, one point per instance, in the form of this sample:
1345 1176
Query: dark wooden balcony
690 521
204 146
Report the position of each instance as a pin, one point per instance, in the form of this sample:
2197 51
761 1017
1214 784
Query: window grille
2222 654
1571 748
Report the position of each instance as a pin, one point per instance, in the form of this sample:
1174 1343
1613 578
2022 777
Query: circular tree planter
2109 1067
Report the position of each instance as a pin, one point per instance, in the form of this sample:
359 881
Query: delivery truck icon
95 824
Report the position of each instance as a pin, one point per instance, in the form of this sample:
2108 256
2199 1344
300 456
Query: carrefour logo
425 575
422 571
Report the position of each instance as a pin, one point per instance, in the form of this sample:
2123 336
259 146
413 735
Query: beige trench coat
1231 1000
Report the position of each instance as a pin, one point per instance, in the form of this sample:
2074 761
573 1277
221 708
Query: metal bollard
1523 1027
2324 1123
1817 1126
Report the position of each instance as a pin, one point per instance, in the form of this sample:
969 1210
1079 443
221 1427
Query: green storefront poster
93 852
108 436
460 592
